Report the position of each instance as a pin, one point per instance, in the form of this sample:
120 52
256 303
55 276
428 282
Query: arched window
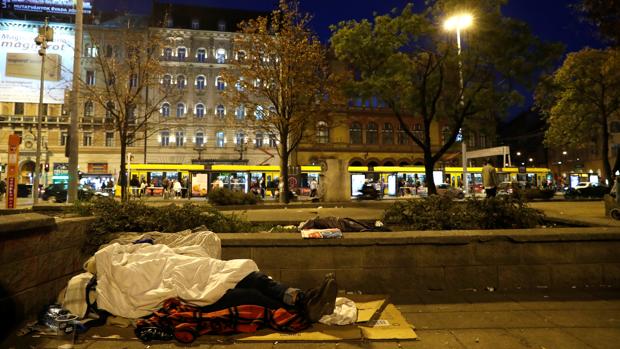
89 109
200 82
322 132
259 113
164 138
258 142
181 53
165 109
240 137
220 111
200 110
109 111
181 81
133 81
241 56
220 55
180 110
355 133
167 53
220 139
167 80
240 112
199 138
372 133
179 138
201 55
240 85
220 84
388 134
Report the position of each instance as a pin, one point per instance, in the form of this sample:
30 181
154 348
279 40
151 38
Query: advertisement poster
48 6
20 63
200 184
12 168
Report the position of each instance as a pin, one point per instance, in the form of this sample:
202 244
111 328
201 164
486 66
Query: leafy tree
408 61
604 15
282 77
581 99
127 87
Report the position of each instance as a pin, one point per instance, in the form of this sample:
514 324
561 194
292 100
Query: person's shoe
317 302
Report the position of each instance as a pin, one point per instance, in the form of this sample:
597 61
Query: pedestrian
143 187
2 189
262 187
313 187
489 179
177 188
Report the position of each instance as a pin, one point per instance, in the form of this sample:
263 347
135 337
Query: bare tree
282 76
130 86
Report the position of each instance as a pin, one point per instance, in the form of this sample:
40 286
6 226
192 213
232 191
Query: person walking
489 179
313 187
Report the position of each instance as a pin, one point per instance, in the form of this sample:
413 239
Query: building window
19 108
167 53
167 80
200 110
164 138
201 55
240 112
240 138
195 24
403 137
355 133
471 139
220 84
181 53
273 142
165 109
322 132
241 56
220 111
109 139
109 51
219 139
221 25
179 138
220 55
88 108
90 77
259 113
169 22
388 134
483 141
130 140
240 85
44 109
64 136
445 134
418 131
133 81
180 110
200 82
259 140
87 139
181 81
372 133
200 138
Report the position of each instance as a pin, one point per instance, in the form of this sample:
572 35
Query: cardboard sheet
390 325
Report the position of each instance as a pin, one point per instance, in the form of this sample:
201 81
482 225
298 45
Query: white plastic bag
345 313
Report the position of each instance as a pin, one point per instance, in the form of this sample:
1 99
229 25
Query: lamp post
72 195
457 23
45 35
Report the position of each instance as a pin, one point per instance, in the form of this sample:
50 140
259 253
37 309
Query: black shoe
317 302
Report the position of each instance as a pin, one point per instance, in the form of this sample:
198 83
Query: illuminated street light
564 152
518 153
457 23
530 160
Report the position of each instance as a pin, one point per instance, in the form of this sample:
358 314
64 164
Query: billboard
66 7
20 63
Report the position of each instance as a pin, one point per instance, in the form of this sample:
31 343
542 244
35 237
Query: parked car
58 192
509 188
447 189
587 190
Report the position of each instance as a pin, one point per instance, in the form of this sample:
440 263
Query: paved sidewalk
467 319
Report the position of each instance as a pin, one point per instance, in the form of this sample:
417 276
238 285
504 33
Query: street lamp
457 23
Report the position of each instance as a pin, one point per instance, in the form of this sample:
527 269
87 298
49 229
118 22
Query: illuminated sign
20 63
48 6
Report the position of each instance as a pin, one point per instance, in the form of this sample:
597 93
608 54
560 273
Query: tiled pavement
467 319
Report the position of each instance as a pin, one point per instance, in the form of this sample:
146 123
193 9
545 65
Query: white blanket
133 280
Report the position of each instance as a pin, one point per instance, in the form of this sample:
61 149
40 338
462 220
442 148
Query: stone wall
38 255
560 258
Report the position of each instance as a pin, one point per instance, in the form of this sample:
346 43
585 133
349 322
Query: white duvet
134 280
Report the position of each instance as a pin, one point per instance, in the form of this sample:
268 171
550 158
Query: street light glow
458 22
518 153
564 152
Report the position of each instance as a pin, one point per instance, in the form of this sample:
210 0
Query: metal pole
73 130
37 167
462 102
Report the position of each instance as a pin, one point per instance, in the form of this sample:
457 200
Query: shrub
134 216
536 193
442 213
225 196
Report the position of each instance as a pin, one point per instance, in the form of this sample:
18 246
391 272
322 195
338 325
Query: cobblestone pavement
466 319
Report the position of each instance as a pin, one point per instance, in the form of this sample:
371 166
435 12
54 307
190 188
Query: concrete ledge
10 224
